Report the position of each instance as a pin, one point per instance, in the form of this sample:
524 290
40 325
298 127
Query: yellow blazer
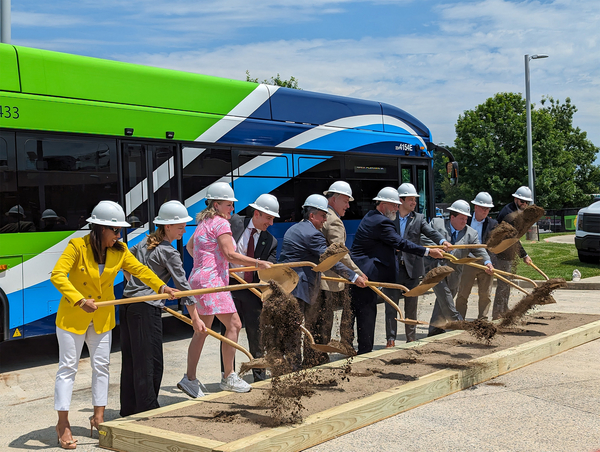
76 275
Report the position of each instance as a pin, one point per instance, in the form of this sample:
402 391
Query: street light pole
528 104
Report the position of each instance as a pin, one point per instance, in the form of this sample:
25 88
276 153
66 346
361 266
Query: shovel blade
467 260
329 262
503 245
412 322
284 276
419 290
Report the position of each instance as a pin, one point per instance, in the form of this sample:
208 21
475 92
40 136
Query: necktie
454 236
249 276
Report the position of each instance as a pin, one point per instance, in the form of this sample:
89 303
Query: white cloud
29 19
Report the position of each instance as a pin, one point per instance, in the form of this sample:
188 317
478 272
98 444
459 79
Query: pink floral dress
211 267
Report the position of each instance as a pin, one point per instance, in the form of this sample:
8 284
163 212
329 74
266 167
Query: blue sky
435 59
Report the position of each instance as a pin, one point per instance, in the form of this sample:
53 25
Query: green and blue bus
76 130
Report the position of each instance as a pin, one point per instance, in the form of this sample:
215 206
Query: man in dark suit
483 225
253 240
410 225
305 242
521 199
374 251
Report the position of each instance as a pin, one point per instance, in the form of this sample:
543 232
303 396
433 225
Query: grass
557 260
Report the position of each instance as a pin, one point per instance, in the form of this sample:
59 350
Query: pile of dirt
436 274
480 329
522 220
334 248
501 232
539 296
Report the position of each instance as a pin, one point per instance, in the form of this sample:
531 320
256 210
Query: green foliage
276 81
491 149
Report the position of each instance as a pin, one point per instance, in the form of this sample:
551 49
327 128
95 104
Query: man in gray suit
335 294
409 225
456 230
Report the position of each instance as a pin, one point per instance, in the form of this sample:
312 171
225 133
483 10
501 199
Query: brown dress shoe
390 343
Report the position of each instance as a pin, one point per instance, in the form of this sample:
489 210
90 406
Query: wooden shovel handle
243 281
210 332
539 271
466 246
183 293
389 301
369 283
497 275
285 264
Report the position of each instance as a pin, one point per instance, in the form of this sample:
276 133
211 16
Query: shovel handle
210 332
243 281
497 275
369 283
388 300
285 264
466 246
183 293
540 272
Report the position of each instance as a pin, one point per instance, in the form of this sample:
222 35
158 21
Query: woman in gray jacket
141 323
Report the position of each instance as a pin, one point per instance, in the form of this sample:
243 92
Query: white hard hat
407 189
48 214
16 210
172 212
483 199
108 213
267 203
388 194
220 191
340 187
316 201
523 193
460 206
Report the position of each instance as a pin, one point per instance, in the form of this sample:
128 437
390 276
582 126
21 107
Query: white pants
69 352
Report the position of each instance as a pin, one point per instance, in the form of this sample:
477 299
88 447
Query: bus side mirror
452 170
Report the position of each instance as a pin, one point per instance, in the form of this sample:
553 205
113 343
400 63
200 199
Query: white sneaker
191 387
234 383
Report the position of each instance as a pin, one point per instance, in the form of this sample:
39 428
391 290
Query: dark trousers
364 306
141 357
249 307
410 307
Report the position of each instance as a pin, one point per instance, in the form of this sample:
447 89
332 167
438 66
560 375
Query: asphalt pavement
553 405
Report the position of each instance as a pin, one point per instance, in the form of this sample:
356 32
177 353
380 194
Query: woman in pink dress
213 248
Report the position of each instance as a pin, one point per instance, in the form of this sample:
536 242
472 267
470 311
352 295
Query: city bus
75 130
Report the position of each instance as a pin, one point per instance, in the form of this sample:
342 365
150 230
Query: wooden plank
128 436
134 437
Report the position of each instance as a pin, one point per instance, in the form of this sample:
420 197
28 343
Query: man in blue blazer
374 251
305 242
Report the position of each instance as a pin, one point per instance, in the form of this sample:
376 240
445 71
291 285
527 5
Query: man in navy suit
374 251
253 240
305 242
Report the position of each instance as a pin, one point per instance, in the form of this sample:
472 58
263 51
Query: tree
276 81
491 149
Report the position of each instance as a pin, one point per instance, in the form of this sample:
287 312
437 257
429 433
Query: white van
587 233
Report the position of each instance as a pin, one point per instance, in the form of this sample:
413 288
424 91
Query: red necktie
249 276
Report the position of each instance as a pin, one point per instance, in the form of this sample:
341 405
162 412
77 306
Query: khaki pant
484 284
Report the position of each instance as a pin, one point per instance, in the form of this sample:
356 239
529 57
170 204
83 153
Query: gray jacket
165 261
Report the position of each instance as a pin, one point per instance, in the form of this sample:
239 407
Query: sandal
66 444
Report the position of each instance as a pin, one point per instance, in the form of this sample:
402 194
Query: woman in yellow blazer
84 273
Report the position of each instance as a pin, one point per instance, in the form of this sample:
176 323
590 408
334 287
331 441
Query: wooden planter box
127 435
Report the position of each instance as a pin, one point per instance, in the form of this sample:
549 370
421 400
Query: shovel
210 333
324 348
502 246
183 293
432 278
285 277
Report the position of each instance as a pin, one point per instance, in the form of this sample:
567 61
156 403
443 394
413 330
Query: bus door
148 181
419 174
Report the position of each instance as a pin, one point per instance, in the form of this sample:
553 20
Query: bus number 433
9 112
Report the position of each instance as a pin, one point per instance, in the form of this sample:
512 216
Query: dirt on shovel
522 220
436 274
334 248
539 296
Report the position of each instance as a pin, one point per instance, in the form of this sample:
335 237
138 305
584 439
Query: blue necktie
454 236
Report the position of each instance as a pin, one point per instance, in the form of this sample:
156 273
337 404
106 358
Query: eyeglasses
117 231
